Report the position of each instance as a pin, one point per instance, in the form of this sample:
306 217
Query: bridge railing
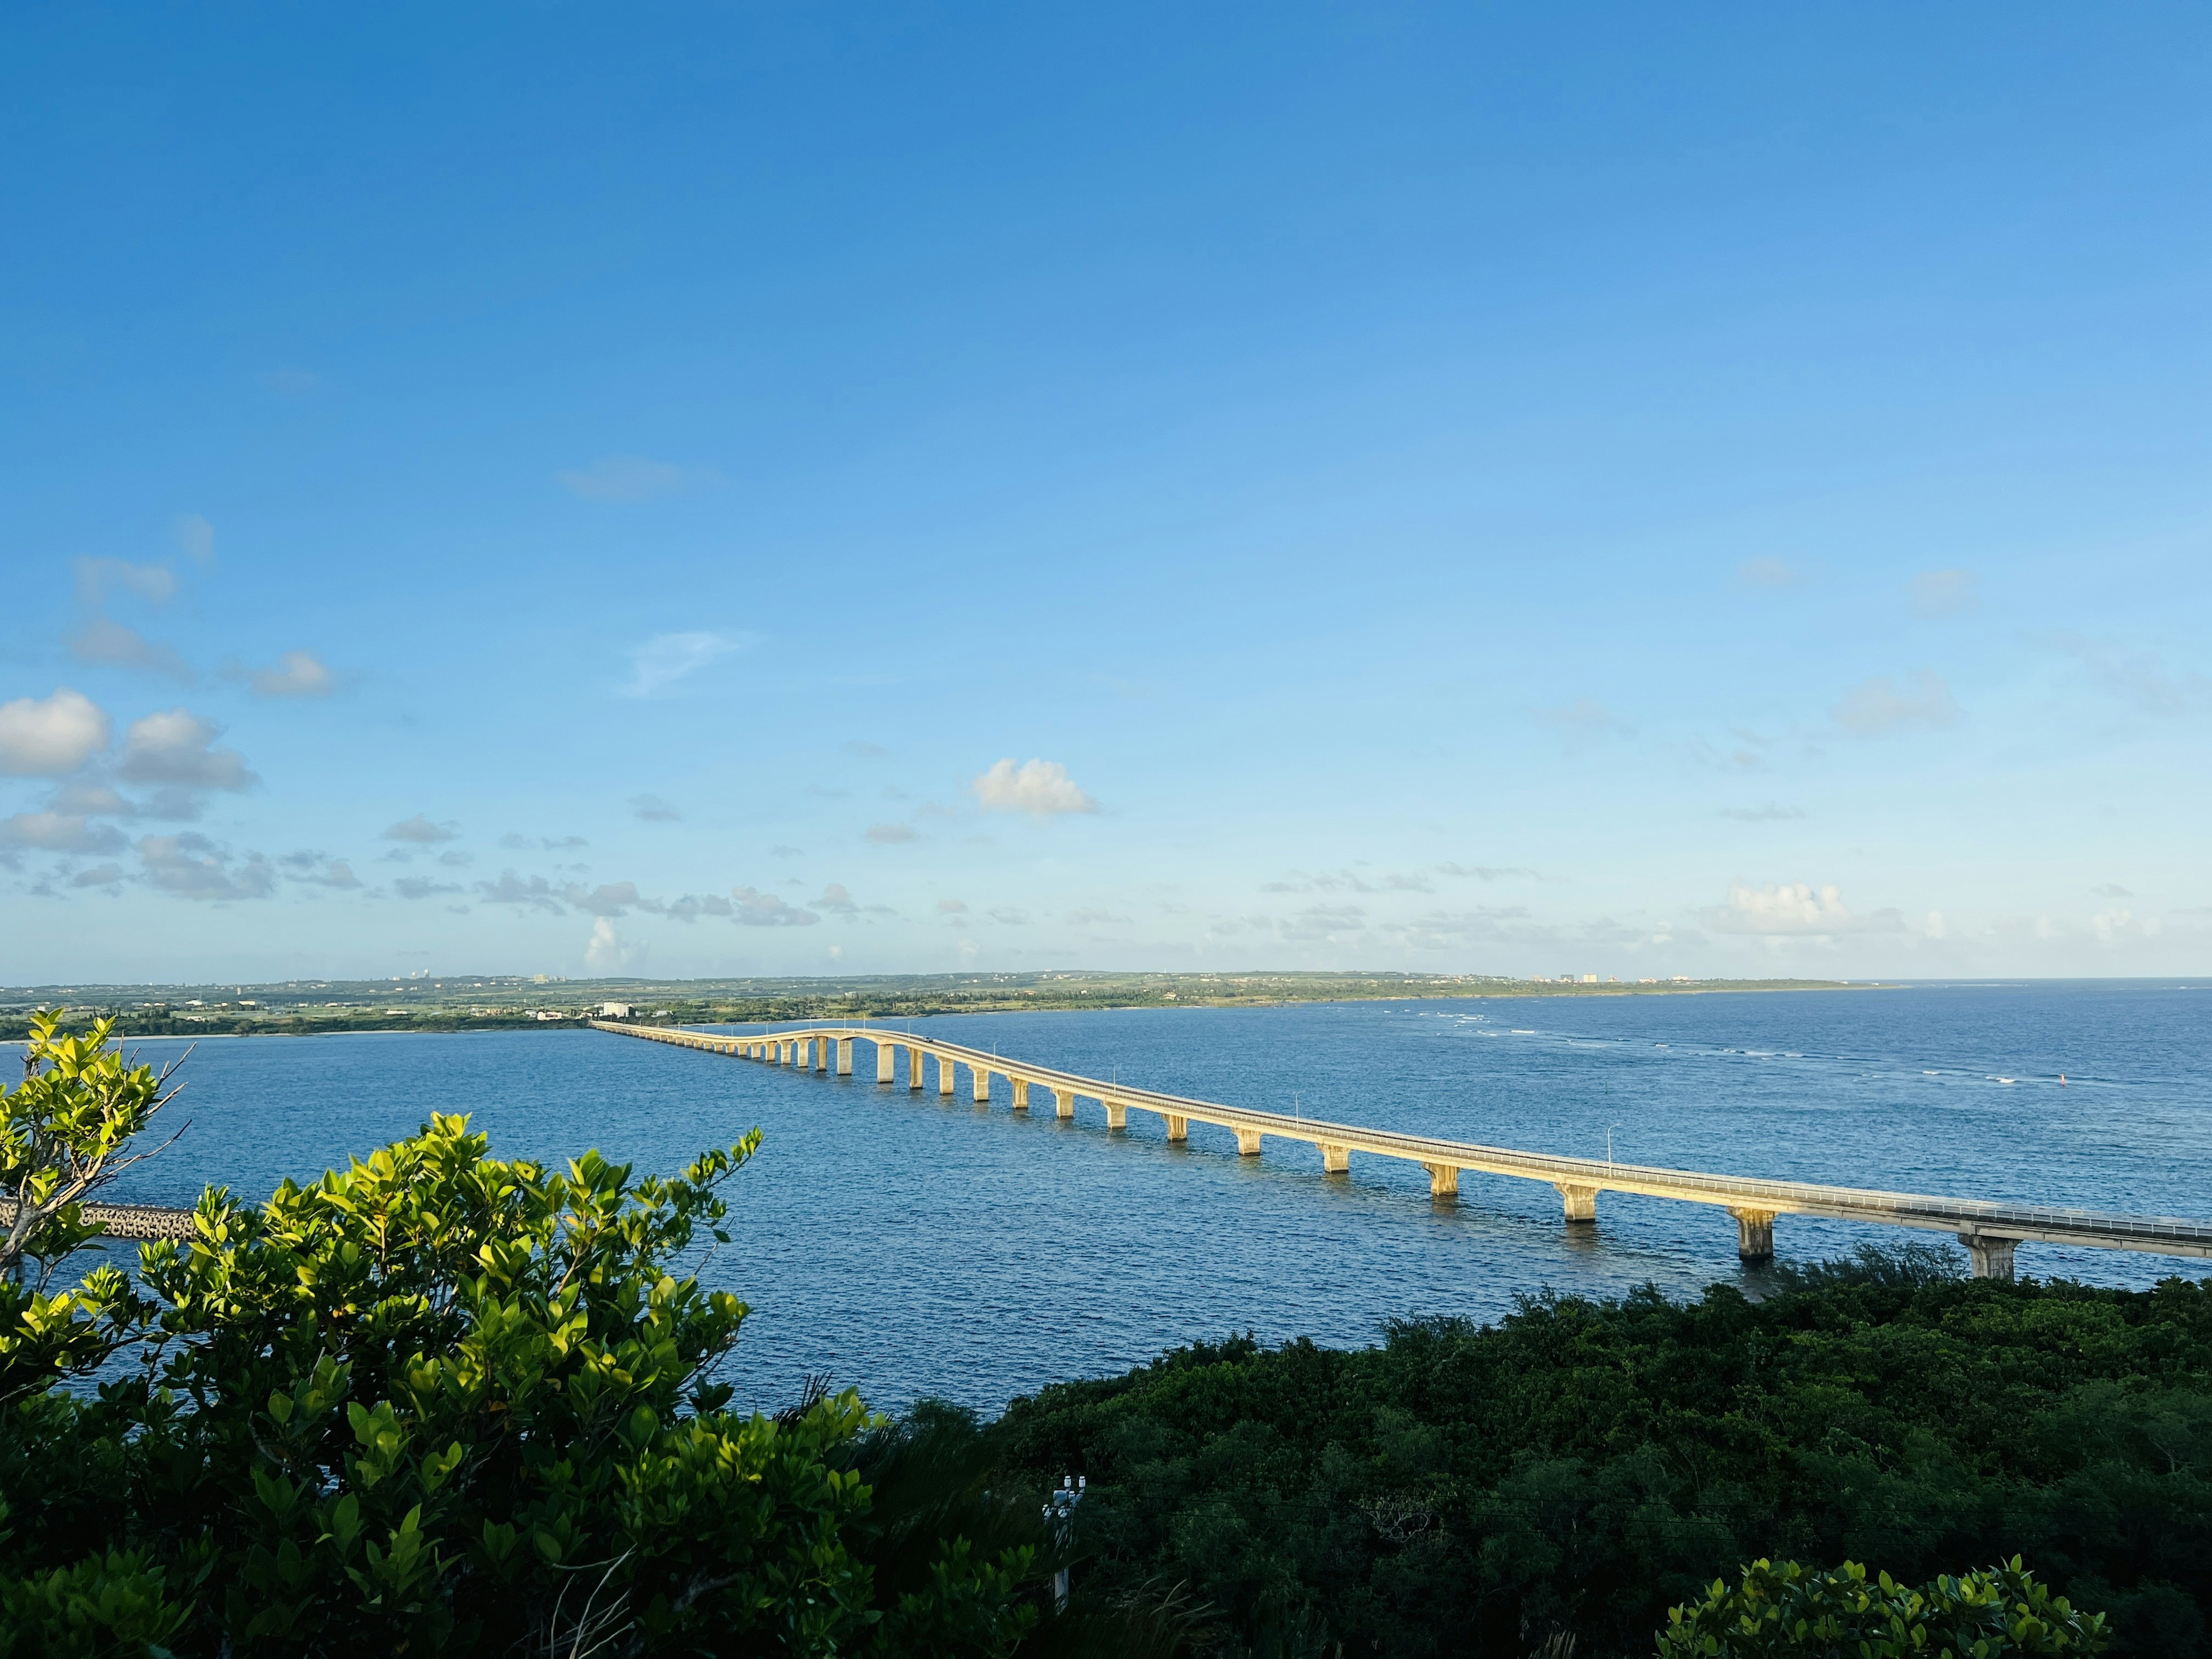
1989 1228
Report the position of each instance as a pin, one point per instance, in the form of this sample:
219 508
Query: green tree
440 1402
65 1133
1781 1610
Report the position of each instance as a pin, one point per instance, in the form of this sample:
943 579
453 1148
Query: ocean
914 1245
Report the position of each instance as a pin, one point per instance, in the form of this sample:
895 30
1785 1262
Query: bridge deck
1754 1199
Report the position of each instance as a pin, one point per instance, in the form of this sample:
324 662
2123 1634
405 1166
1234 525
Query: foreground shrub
1783 1612
446 1403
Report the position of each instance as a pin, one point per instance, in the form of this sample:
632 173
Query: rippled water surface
913 1245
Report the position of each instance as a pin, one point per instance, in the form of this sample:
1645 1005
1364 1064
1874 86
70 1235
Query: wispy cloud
1945 593
319 869
104 643
890 835
631 478
653 810
192 866
534 894
420 831
661 664
1771 574
196 536
759 909
1882 707
1769 814
1583 720
2138 677
295 674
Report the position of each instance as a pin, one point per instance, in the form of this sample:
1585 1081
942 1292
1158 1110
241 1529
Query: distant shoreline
439 1022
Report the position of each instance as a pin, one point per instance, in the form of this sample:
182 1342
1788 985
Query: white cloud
192 866
422 887
296 674
625 478
1011 918
890 834
1039 787
758 909
1879 707
59 832
1795 909
421 831
1093 917
1945 593
653 809
838 901
605 949
175 747
50 737
109 876
1771 574
516 842
951 907
666 661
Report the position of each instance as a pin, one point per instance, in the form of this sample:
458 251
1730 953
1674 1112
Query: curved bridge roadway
1988 1230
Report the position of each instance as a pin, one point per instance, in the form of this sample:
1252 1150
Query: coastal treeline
1569 1473
445 1403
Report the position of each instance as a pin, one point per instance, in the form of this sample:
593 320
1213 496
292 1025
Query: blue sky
710 490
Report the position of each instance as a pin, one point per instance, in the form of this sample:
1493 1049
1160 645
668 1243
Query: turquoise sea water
913 1244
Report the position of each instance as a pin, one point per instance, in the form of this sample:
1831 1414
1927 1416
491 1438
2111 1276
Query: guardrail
1989 1229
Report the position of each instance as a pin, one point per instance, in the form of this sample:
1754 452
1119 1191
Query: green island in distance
476 1002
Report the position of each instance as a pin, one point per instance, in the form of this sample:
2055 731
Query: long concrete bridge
1990 1230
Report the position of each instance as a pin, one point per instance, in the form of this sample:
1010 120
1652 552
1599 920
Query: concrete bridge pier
886 1063
844 1056
1118 1115
944 1075
1063 1102
787 1054
1991 1257
913 1068
1443 1181
1247 1143
1335 1159
1019 1086
983 1077
822 1054
1754 1234
1580 1202
1178 1128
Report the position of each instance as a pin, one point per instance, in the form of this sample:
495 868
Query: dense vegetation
1579 1468
461 1003
444 1403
